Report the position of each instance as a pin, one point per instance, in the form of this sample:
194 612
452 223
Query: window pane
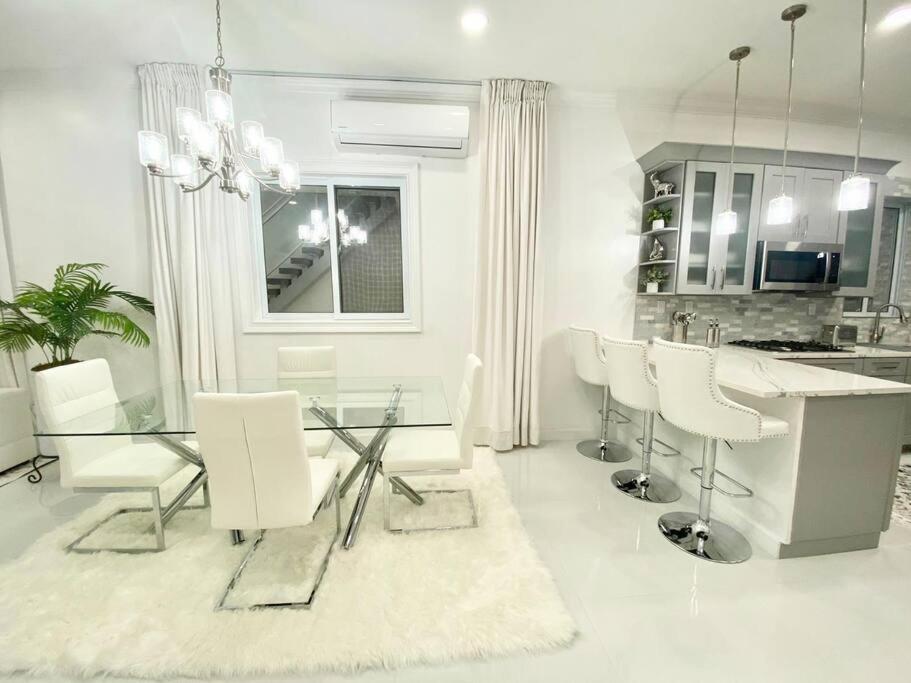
298 267
738 243
370 273
701 230
853 304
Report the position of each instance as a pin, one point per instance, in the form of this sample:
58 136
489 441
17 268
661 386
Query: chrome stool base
656 489
721 544
605 451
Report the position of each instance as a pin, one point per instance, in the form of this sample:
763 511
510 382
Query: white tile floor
646 611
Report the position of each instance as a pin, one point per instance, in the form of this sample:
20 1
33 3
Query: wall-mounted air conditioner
429 130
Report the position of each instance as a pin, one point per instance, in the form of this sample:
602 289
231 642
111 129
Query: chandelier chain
219 60
860 89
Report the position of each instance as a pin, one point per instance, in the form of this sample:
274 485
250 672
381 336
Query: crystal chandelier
317 230
212 150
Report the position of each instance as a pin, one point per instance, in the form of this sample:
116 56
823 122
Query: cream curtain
507 301
191 234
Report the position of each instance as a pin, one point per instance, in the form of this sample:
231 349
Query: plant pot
54 364
652 287
658 225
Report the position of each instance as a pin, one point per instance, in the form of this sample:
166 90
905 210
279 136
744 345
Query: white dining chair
84 393
307 363
260 474
427 452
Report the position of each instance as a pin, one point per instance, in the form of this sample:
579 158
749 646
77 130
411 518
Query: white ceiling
666 50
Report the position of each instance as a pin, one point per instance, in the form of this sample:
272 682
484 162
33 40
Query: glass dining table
342 405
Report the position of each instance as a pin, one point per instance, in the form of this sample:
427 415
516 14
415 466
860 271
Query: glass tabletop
354 403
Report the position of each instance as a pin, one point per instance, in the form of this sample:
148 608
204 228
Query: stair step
312 251
293 272
280 281
301 261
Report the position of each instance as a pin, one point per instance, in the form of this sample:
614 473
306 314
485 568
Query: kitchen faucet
878 331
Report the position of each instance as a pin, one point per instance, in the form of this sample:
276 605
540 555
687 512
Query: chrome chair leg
698 534
643 484
159 524
389 487
604 449
237 537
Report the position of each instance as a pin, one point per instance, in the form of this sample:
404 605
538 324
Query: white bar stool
591 367
692 401
634 385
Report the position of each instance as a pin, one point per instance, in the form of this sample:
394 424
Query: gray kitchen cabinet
886 368
815 193
852 365
859 232
710 263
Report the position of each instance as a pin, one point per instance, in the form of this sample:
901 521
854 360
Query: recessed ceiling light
896 19
474 21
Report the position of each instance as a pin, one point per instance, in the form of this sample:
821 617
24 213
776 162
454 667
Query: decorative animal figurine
662 188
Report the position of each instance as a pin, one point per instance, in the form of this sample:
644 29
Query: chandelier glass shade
317 230
210 146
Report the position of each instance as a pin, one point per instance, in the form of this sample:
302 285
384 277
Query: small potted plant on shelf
654 277
75 306
658 217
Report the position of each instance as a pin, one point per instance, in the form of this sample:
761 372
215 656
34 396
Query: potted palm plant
75 306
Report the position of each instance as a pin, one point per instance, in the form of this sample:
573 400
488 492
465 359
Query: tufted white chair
633 385
691 400
591 367
89 464
415 452
259 473
310 362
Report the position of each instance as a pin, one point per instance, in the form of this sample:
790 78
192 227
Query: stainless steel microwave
797 266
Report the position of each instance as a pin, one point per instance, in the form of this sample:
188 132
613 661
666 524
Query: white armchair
426 452
17 443
310 362
105 463
259 472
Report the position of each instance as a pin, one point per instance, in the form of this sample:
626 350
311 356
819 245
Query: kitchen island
826 487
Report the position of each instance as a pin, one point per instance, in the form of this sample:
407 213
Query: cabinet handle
712 286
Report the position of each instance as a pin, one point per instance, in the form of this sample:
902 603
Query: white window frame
904 216
258 318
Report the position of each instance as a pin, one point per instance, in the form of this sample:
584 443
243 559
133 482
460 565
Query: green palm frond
77 305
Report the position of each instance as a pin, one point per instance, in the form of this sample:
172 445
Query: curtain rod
349 77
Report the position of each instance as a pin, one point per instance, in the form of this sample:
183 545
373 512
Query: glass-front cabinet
709 262
859 231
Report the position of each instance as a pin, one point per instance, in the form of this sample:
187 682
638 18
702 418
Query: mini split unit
429 130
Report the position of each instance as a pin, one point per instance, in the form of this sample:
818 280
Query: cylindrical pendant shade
271 154
187 118
153 151
182 167
205 141
244 182
289 176
220 109
781 210
854 193
252 135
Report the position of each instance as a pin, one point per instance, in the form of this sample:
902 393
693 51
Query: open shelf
661 200
659 231
663 262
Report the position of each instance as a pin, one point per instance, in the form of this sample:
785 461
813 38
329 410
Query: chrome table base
605 451
653 488
720 543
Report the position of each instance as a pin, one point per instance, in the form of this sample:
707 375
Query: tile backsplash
766 315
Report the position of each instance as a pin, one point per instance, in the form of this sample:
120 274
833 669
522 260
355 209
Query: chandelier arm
196 188
182 175
268 187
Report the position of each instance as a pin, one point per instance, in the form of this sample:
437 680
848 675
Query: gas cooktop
787 346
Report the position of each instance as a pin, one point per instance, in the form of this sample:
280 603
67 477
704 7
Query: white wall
298 113
74 191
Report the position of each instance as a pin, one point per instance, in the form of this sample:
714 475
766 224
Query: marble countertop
856 352
758 373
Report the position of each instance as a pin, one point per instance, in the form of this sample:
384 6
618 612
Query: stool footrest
746 492
669 453
621 419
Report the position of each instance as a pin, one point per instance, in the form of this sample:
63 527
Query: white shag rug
393 600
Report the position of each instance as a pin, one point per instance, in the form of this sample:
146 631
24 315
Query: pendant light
727 220
855 189
781 208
